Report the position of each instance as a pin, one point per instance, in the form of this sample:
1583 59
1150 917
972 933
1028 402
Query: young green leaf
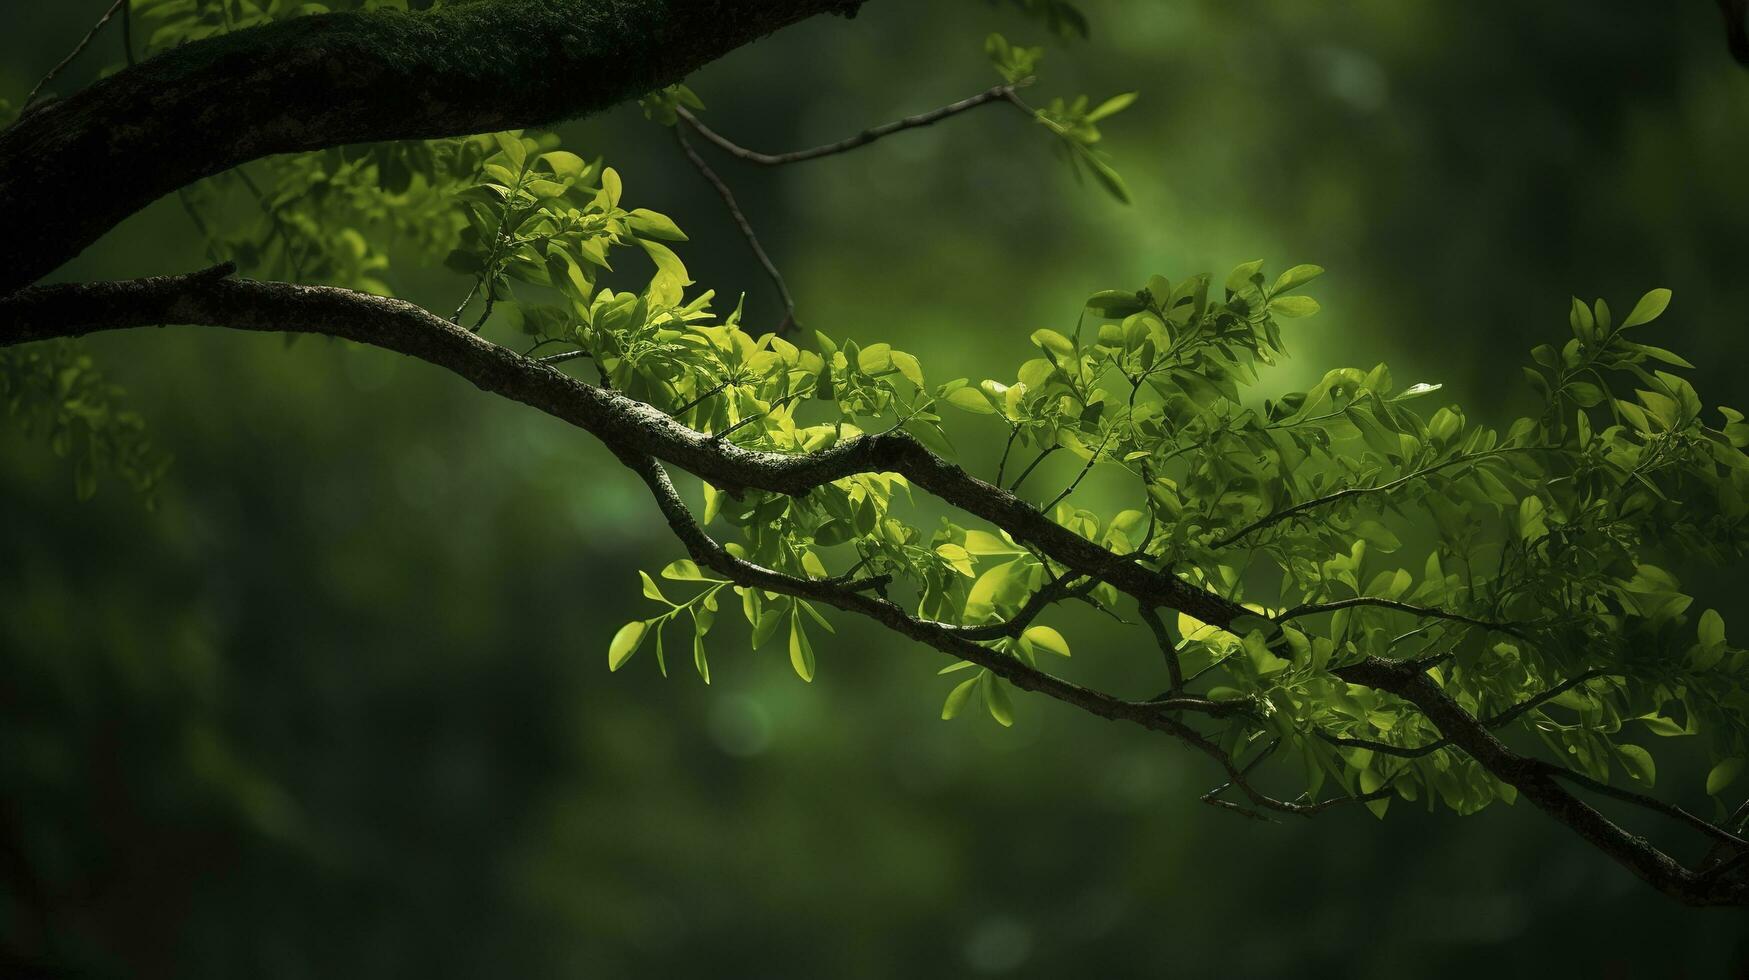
625 643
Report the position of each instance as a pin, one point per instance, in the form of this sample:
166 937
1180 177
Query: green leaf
1115 303
513 149
1294 306
1638 762
1723 774
1416 390
1648 308
996 699
1296 277
1378 535
667 263
648 223
1112 106
1047 639
1055 344
1662 726
801 652
1107 176
611 186
625 643
971 400
908 367
956 698
685 570
1584 393
650 589
957 558
1243 275
699 660
1712 629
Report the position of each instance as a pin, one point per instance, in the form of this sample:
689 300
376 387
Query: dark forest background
340 706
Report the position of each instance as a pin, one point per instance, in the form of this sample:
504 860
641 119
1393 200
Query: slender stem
537 345
293 260
492 255
78 49
1281 515
1015 486
867 136
702 397
1059 498
1151 616
456 317
569 355
1007 447
781 402
1427 612
741 222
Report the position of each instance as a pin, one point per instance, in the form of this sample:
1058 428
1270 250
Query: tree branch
1533 780
210 299
331 79
640 435
1493 721
853 599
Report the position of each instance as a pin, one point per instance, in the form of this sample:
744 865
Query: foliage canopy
1366 588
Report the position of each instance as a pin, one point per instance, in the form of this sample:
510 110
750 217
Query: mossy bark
72 169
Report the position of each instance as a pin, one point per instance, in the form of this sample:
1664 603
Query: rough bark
212 299
72 169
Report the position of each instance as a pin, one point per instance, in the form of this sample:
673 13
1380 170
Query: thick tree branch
1719 834
211 299
328 80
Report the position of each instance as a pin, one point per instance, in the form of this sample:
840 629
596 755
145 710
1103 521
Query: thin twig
1059 498
1015 486
731 430
728 196
1007 447
561 358
694 403
867 136
1535 701
1271 520
292 259
78 49
1151 616
1426 612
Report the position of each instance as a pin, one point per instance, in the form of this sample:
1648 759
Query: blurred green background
340 707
